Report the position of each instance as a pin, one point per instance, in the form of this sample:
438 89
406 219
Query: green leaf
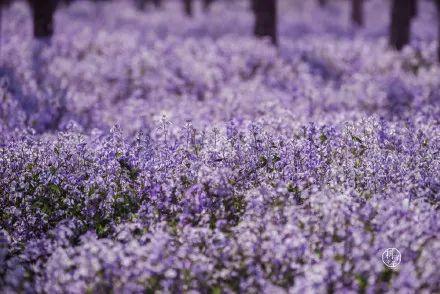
323 138
292 189
362 282
357 139
54 188
101 229
339 258
263 161
276 158
386 275
216 290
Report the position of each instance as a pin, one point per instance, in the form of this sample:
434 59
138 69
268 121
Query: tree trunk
188 7
5 2
141 4
207 4
402 12
265 12
414 8
357 12
43 12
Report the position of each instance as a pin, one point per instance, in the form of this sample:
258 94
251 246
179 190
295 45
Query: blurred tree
5 2
141 4
265 12
322 2
42 14
402 12
357 12
66 2
188 7
207 4
414 8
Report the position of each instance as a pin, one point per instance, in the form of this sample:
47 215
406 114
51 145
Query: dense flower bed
157 153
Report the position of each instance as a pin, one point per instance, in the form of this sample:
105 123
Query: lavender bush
149 152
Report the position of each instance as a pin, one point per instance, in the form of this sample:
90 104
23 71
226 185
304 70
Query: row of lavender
233 166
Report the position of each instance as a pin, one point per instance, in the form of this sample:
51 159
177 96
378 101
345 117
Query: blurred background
399 19
86 60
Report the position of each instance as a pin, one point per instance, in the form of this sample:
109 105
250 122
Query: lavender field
152 152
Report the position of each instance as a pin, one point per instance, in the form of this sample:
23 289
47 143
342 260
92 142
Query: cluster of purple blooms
154 153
